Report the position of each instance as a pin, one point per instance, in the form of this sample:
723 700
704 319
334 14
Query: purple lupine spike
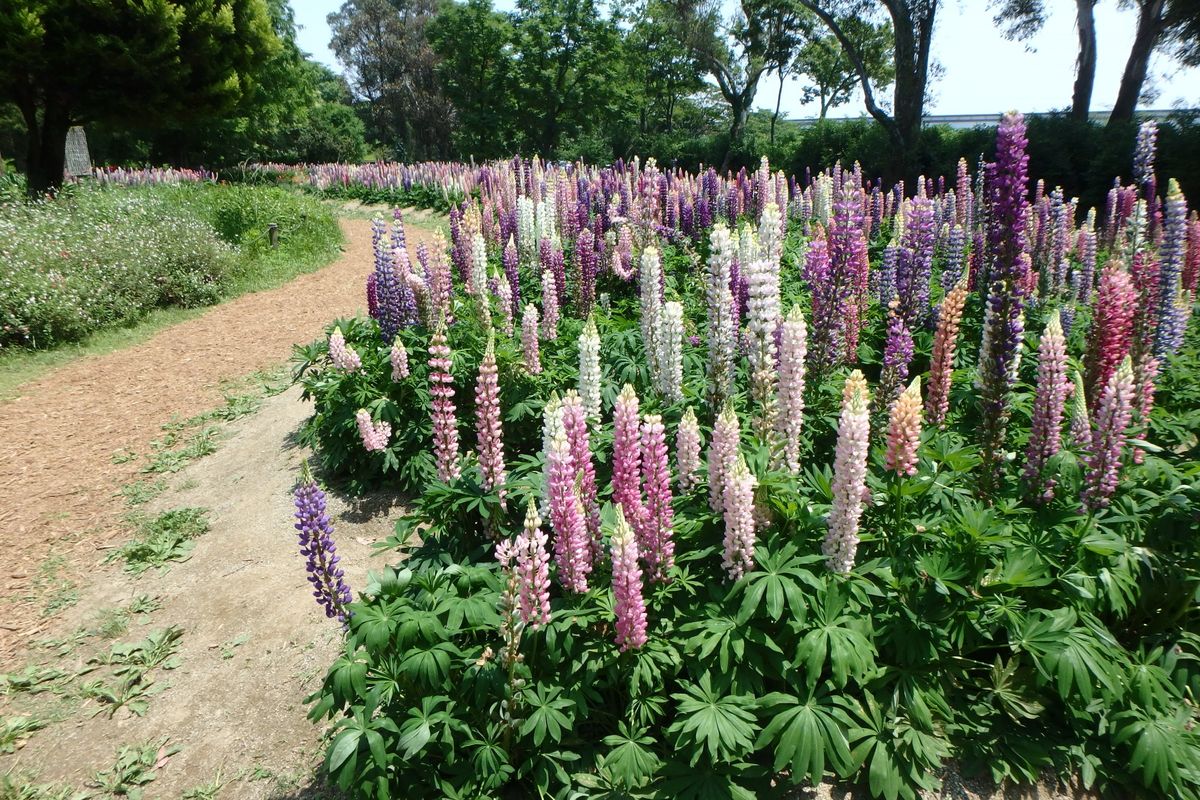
956 252
897 353
372 296
315 531
1009 274
387 285
511 273
916 263
885 276
1045 434
585 257
1170 312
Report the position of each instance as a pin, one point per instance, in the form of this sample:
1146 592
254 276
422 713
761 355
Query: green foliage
135 767
1019 640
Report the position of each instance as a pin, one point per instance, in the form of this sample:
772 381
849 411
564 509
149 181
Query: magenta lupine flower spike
530 348
687 451
399 360
1111 332
488 430
589 369
722 451
655 534
849 475
793 350
572 550
904 431
945 343
319 550
533 570
628 605
549 307
374 435
739 520
1103 459
445 421
574 421
1081 423
341 354
1045 435
627 456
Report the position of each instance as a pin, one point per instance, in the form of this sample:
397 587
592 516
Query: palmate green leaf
777 582
806 733
429 666
707 721
1163 750
835 638
1074 658
631 761
700 782
548 714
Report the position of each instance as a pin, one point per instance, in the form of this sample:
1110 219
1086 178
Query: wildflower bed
722 484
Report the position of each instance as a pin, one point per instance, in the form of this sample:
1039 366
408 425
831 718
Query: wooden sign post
79 162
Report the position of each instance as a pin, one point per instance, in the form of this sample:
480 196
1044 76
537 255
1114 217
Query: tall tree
1022 19
67 62
569 68
663 65
390 64
1161 23
475 46
737 52
830 72
912 41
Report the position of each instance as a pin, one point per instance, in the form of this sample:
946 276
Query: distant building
968 121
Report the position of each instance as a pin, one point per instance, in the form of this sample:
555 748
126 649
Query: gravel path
59 485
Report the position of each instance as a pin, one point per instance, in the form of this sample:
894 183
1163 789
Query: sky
983 73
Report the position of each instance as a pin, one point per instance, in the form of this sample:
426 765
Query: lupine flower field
724 484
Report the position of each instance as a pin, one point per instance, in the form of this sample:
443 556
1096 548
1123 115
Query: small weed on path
14 730
142 492
135 767
15 786
168 537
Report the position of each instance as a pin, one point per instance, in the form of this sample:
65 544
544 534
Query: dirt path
58 438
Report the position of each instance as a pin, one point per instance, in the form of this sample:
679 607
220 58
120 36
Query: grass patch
32 680
168 537
168 457
52 588
20 786
141 492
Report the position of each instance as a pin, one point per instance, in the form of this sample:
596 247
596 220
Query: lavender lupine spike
341 354
904 431
670 352
445 420
738 555
1009 273
374 435
726 442
916 262
533 570
722 332
399 360
488 430
763 317
504 300
1113 414
627 455
1081 423
1045 435
656 533
511 273
589 369
572 548
574 423
651 312
628 604
849 475
688 444
793 350
1143 157
387 285
530 353
315 531
1171 315
956 257
897 353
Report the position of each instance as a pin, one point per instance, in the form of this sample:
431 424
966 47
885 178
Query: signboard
79 163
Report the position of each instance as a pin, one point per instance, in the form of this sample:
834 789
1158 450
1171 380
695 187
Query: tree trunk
1085 68
47 150
778 102
1145 39
741 112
